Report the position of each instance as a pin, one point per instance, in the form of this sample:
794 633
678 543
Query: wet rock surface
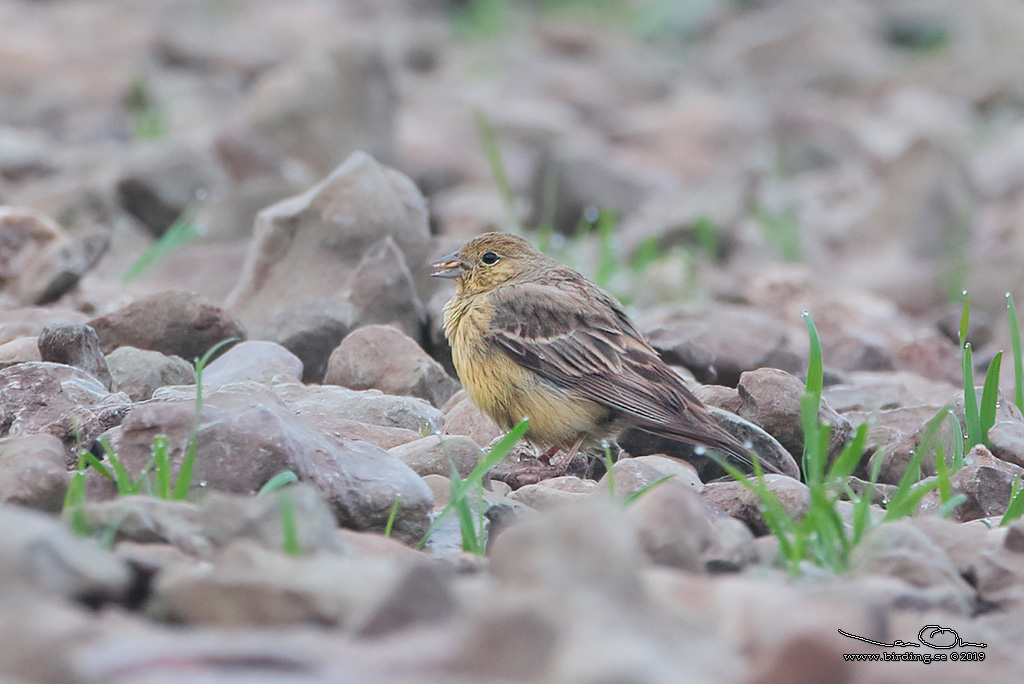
284 173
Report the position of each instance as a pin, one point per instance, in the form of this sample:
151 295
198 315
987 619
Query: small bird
534 338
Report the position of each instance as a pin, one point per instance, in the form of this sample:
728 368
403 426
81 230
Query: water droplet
700 450
967 345
202 483
963 292
1008 295
202 194
591 213
805 313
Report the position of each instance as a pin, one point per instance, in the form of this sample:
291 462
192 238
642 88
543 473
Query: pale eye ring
489 258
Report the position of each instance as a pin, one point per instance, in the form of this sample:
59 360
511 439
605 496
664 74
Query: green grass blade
278 482
499 451
289 528
609 472
1018 363
646 488
391 516
161 467
965 319
181 232
990 396
489 141
971 412
849 458
1015 508
608 262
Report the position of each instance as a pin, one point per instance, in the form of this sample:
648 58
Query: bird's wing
577 337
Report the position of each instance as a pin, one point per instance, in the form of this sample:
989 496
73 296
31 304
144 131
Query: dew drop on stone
202 483
700 450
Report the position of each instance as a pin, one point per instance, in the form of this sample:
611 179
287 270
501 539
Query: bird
531 337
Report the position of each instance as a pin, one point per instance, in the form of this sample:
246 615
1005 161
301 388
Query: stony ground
174 174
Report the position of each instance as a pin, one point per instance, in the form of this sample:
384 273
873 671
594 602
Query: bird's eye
489 258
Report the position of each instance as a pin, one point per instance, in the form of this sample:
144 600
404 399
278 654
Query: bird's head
490 260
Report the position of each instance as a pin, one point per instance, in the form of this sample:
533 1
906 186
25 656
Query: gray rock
311 332
344 247
333 408
140 372
247 435
742 338
987 482
733 547
19 350
382 357
253 360
898 549
421 595
633 474
771 400
554 492
735 500
466 419
585 546
162 181
246 585
39 551
173 323
33 473
74 344
1006 439
674 526
29 321
322 108
59 400
438 455
38 262
199 530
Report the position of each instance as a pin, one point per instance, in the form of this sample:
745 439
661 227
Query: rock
29 321
250 586
466 419
33 473
173 323
421 595
1006 439
733 547
673 525
227 518
987 482
255 361
554 492
334 408
898 549
586 178
633 474
39 551
1014 540
719 396
140 372
19 350
438 455
382 357
38 262
164 181
735 500
322 108
247 435
198 530
586 546
335 257
312 332
59 400
742 338
771 399
74 344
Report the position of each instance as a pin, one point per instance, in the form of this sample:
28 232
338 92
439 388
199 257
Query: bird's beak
448 266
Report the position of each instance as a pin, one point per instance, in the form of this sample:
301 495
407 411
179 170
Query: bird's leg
546 456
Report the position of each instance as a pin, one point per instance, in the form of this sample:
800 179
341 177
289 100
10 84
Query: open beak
448 266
